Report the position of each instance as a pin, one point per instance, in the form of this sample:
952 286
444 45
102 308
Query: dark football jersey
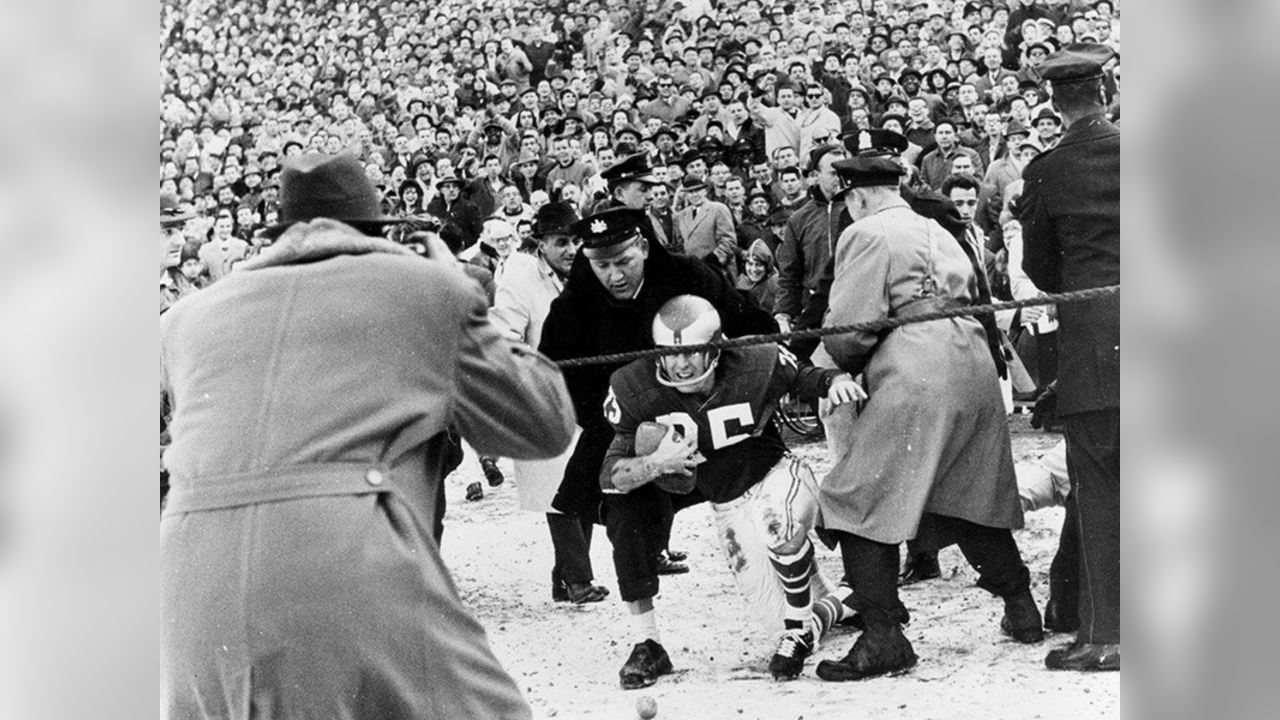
732 424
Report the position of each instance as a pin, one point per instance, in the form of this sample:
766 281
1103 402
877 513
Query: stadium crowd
470 111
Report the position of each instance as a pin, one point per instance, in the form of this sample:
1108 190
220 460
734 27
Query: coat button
374 476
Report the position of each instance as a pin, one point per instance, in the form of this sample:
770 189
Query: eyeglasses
814 96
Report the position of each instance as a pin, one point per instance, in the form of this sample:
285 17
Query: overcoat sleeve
511 401
726 238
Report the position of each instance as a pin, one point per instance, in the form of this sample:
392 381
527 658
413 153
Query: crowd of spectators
471 111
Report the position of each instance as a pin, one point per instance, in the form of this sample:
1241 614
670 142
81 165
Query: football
649 436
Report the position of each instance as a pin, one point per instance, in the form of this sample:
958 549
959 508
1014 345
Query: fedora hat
315 185
172 212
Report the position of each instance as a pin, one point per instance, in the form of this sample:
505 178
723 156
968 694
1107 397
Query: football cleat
788 661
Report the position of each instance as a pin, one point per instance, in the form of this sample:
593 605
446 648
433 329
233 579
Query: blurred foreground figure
311 390
1070 215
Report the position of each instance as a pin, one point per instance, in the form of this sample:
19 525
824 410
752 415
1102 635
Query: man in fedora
705 230
525 292
311 390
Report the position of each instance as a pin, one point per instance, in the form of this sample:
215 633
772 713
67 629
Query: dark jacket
1070 214
585 320
462 213
804 257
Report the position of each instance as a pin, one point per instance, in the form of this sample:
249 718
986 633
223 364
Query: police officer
1070 214
618 282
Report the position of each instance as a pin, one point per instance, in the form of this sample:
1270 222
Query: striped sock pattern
794 571
830 610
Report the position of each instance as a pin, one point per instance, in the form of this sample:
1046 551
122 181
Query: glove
1045 412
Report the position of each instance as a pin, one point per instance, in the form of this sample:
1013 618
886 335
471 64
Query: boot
880 650
1021 619
1084 657
920 567
491 472
474 492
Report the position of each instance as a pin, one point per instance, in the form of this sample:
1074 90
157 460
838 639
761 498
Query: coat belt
920 306
289 483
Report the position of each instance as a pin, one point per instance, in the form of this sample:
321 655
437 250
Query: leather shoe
648 660
585 592
1084 657
878 651
1021 619
676 555
474 492
1058 619
667 567
920 567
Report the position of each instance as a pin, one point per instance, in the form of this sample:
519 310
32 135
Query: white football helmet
687 320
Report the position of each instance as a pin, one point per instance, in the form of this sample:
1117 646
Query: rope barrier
871 326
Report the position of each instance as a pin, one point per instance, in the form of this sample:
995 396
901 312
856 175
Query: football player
718 440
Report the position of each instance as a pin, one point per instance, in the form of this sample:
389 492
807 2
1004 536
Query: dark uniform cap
875 142
608 231
631 168
554 218
867 171
1076 62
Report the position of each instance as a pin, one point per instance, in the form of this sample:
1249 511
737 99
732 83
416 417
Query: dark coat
585 320
1070 214
462 213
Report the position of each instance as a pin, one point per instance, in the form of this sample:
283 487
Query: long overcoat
933 435
300 575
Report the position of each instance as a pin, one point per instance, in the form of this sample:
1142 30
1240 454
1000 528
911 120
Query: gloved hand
1045 412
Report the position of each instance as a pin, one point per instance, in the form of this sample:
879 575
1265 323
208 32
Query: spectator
451 208
759 278
935 166
524 296
704 229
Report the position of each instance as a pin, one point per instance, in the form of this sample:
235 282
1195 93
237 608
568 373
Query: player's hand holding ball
670 454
